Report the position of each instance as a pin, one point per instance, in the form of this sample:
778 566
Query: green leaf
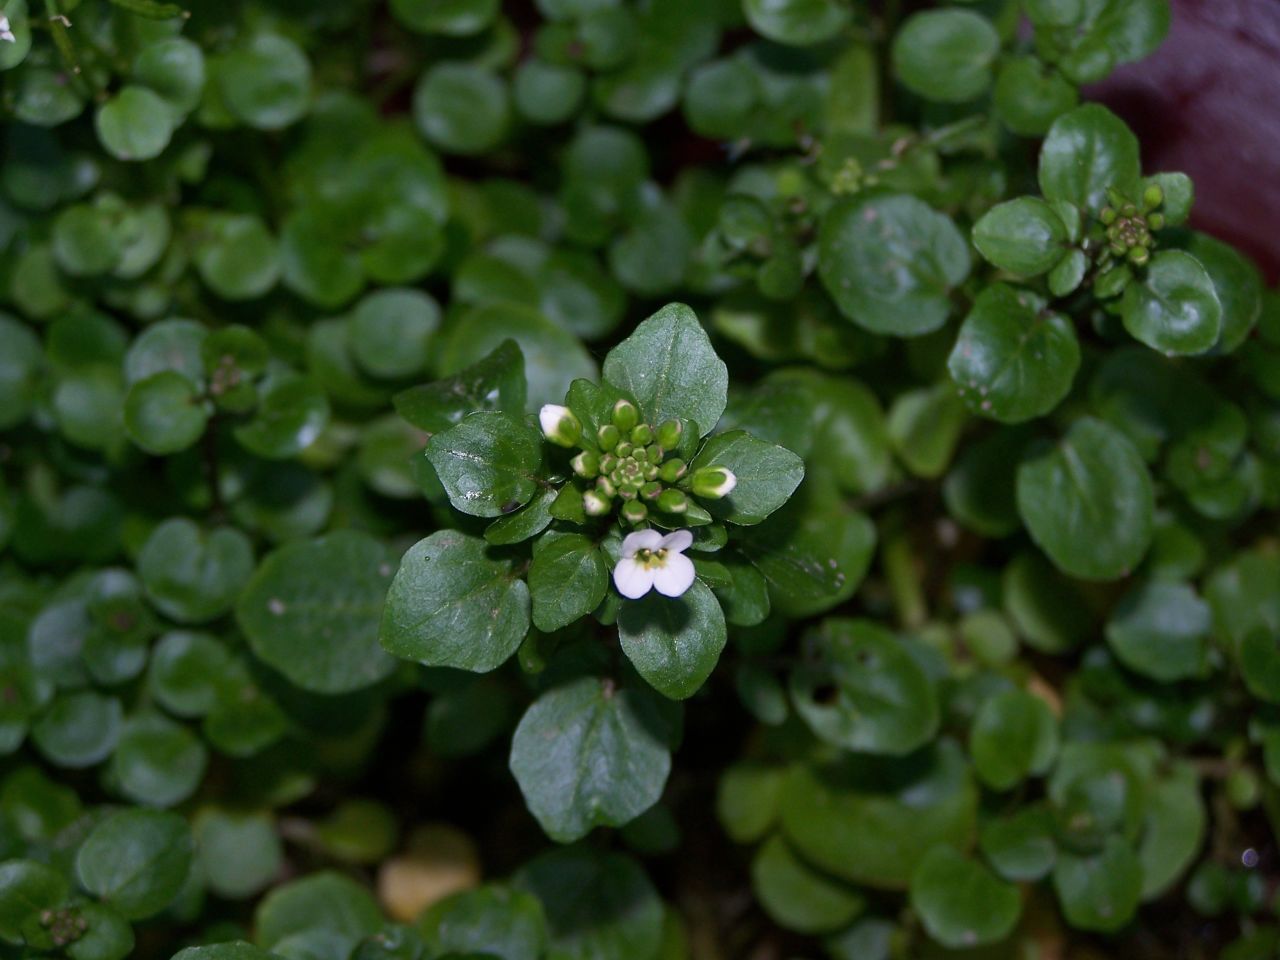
1088 502
193 576
766 475
266 82
590 754
980 488
567 579
461 108
1099 891
924 427
1160 629
27 889
1020 847
1087 152
799 23
164 414
20 362
158 762
136 860
670 369
862 690
1048 610
79 729
529 521
312 609
799 897
946 55
292 411
232 950
548 93
390 331
1174 308
1237 285
494 383
1173 831
174 68
135 124
454 603
1029 95
452 18
1014 359
747 800
240 854
489 463
172 345
323 901
107 936
1023 236
890 262
237 256
1013 736
599 905
187 670
673 642
960 903
1260 665
872 819
489 920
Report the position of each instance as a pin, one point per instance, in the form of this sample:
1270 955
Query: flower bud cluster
630 465
1129 226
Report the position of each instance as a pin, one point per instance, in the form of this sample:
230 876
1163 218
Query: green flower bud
623 449
712 483
1139 255
651 490
607 463
607 487
634 512
560 425
650 472
1130 210
672 470
595 503
673 501
669 434
585 464
1118 248
1153 196
1156 221
1107 216
625 415
608 436
655 454
642 435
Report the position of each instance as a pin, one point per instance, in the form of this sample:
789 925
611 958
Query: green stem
899 564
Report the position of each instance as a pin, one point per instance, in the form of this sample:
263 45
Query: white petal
677 541
641 540
632 579
550 416
675 576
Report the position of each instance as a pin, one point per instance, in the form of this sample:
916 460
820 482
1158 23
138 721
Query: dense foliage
595 480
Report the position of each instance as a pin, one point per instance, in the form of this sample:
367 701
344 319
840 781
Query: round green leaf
193 576
108 936
568 579
960 903
454 603
890 261
1013 736
453 18
174 68
324 901
589 754
1021 847
135 124
164 413
673 642
489 463
79 729
290 416
1099 891
864 691
187 671
1088 151
158 762
136 860
1088 502
461 108
390 330
27 889
548 93
239 853
1014 359
266 83
1173 308
670 369
20 362
946 55
168 345
598 904
798 23
311 611
237 256
490 920
1028 96
799 897
85 239
1173 831
1237 284
1022 236
1160 629
766 475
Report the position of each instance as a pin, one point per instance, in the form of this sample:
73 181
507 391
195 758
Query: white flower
560 425
651 560
6 31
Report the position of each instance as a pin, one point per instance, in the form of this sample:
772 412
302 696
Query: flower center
652 558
